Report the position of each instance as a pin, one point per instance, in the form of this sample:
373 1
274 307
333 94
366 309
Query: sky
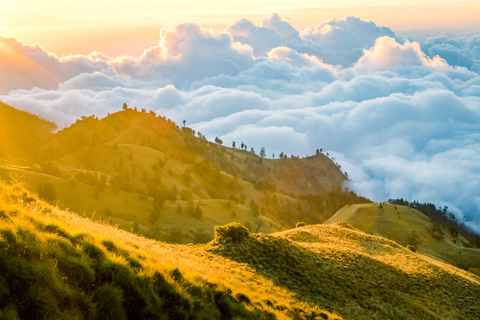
122 28
390 91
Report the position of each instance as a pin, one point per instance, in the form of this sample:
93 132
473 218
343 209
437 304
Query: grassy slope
130 142
20 132
57 264
400 224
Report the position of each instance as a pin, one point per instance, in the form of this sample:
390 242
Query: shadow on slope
357 275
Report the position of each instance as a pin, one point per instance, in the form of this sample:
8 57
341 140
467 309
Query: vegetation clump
300 224
411 248
231 232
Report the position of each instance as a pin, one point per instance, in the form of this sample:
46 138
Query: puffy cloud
401 117
345 39
463 51
25 66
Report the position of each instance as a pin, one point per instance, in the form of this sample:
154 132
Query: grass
56 264
408 226
360 276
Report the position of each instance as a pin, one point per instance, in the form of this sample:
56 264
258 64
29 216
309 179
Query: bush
231 232
300 224
411 248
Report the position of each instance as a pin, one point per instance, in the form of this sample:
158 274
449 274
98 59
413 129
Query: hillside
20 132
59 265
145 174
408 226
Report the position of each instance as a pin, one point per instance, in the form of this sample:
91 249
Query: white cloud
402 121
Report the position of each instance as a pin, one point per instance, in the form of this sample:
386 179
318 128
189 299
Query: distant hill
145 174
55 264
408 226
21 132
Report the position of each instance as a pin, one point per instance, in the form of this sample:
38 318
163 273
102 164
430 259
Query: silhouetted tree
233 144
135 227
198 212
252 150
184 121
218 140
125 107
262 152
47 192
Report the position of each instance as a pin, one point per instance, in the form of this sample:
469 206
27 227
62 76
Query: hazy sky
127 28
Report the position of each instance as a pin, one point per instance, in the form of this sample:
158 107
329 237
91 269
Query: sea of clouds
401 117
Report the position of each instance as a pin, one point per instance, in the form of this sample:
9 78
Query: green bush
231 232
300 224
411 248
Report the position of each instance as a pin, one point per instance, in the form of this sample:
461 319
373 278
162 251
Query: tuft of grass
93 251
79 271
108 299
411 248
300 224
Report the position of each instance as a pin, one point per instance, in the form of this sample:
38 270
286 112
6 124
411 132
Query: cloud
401 117
24 66
463 50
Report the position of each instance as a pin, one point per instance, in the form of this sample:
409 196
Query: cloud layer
402 118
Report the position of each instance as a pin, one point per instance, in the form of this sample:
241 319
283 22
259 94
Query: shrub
300 224
231 232
411 248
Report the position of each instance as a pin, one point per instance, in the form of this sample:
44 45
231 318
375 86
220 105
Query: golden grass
401 224
196 263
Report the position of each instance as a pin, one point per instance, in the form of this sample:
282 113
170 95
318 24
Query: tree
218 140
47 192
125 107
282 155
184 121
159 201
263 154
198 212
242 145
233 144
273 156
154 216
135 227
252 150
172 195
